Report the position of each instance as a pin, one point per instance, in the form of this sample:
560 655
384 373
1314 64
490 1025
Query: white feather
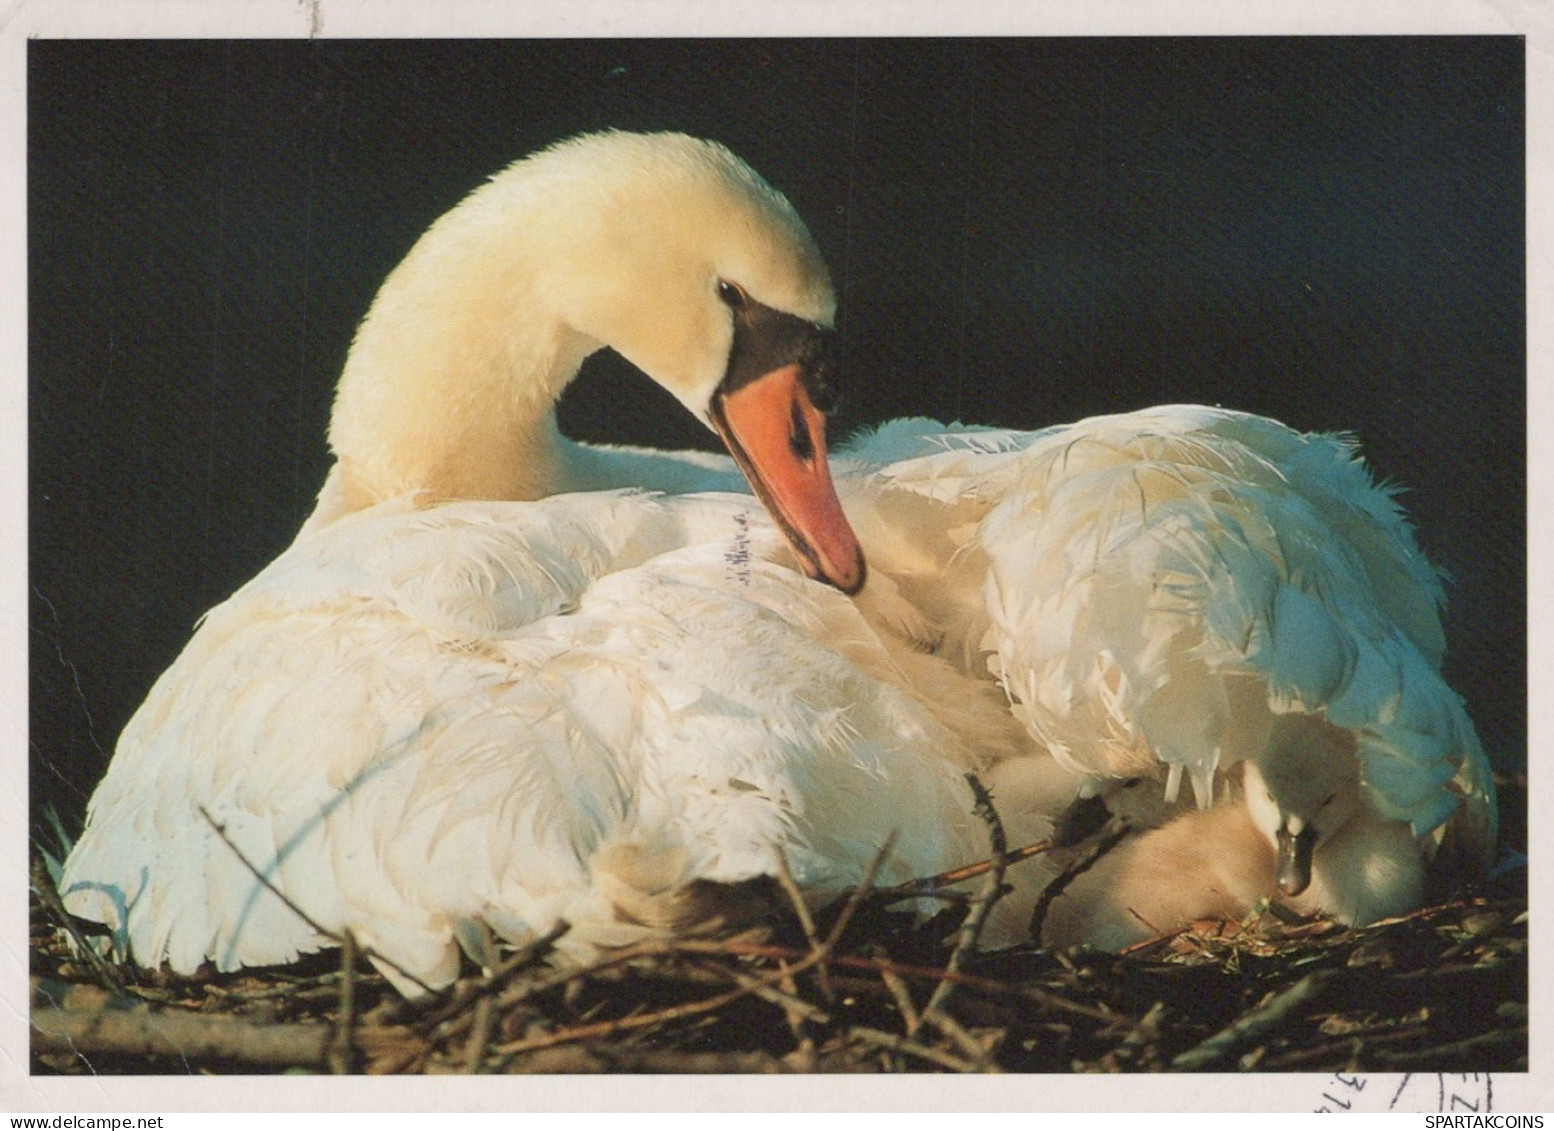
1175 591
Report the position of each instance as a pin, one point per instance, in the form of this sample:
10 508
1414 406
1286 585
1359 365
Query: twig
1154 930
1148 1027
306 987
1325 1052
856 896
480 1034
689 1009
574 1059
1073 872
980 1054
912 1020
297 911
444 1025
894 1042
790 888
798 1024
992 888
341 1054
903 997
806 921
144 1032
928 973
1153 940
1255 1022
600 1029
43 884
621 956
492 982
1142 1038
788 1001
934 885
1451 1054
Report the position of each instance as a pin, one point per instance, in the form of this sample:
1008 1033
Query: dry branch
144 1032
1255 1023
43 887
1073 872
895 1043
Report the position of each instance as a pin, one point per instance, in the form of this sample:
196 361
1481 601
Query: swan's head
704 277
669 250
1298 800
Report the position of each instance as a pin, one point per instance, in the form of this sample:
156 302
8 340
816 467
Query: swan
1192 593
501 681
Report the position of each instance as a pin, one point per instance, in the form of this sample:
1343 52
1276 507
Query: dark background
1328 231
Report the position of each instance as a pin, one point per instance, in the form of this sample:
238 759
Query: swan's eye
731 294
798 436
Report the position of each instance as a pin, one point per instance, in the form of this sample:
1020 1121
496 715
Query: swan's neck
450 387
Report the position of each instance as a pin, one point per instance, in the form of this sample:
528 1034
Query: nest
859 988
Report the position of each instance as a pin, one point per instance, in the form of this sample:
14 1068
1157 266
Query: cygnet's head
1298 795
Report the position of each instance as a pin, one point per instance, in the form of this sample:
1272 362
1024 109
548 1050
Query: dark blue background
1329 231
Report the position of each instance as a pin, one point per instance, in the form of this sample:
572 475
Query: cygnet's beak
766 411
1292 869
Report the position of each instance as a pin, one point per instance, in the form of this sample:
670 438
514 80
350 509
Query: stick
900 1044
926 973
856 897
806 921
139 1032
341 1054
490 983
903 996
577 1059
190 1036
690 1009
981 1055
601 1029
1255 1022
1455 1052
795 1006
1153 940
312 987
480 1033
43 884
1363 1040
933 885
992 888
1071 873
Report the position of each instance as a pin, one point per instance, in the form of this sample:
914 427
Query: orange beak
778 438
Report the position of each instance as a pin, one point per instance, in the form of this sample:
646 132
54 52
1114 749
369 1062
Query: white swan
445 711
1170 593
437 715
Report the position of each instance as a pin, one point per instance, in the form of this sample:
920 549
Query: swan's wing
915 491
1160 584
506 714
